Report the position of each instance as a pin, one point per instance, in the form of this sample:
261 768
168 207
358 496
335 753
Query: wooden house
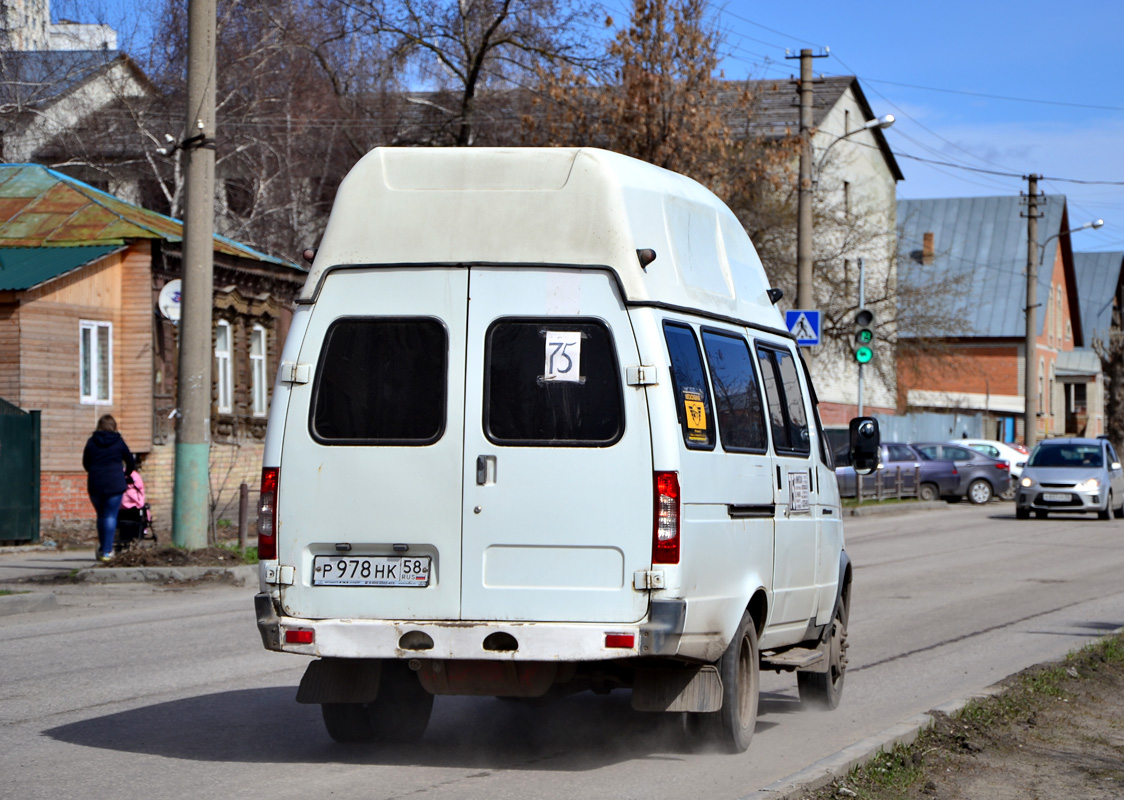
82 334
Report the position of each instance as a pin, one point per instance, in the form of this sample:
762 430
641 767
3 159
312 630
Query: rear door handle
485 470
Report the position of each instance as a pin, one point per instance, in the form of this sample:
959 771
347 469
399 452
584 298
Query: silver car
1072 475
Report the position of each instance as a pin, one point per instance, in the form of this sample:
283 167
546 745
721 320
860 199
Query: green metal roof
43 208
24 267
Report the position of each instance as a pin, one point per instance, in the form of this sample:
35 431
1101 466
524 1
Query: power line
996 96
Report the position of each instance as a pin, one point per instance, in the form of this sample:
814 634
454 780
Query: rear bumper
448 639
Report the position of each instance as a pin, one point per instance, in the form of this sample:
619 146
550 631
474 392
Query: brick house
81 335
978 367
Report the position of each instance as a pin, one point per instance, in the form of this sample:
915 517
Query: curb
897 508
840 764
27 602
241 575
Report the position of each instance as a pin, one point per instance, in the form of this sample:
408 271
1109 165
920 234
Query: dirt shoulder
1053 731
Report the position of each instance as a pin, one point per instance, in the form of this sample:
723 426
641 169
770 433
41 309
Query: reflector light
625 640
299 636
665 536
267 514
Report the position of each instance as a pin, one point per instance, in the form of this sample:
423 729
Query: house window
95 356
257 370
223 373
1049 322
1041 384
1059 315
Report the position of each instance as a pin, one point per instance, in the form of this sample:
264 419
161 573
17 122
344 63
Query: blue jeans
106 507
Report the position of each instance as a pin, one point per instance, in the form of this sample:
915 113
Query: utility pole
804 295
191 501
1030 373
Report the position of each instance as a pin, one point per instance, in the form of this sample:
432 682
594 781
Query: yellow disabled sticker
695 410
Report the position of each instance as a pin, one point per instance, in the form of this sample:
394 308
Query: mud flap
694 689
340 680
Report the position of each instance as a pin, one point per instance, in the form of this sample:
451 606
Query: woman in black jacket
107 461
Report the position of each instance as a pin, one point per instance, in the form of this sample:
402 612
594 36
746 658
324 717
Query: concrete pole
191 502
804 295
1030 376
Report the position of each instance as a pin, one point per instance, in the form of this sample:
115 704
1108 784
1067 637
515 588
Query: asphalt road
136 691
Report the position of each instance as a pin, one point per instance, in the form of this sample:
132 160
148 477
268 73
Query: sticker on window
799 487
694 410
563 356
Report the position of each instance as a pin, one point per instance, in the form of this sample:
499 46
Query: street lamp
1030 347
804 299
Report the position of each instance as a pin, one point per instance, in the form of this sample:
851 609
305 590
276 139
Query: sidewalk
31 570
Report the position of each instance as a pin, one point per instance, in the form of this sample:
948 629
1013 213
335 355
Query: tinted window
899 452
551 382
787 418
958 453
1067 455
381 381
688 381
987 450
741 417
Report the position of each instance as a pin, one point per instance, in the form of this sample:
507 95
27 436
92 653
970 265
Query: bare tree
459 48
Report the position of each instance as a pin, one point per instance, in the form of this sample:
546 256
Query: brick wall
63 498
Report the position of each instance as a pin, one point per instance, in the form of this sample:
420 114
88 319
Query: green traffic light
863 355
864 336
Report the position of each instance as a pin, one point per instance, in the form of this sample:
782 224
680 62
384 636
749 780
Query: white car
1014 453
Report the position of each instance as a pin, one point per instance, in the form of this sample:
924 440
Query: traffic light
863 344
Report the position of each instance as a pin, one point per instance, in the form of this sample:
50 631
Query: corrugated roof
1079 361
984 240
24 267
43 208
1098 275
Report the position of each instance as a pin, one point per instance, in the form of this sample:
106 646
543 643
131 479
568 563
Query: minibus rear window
552 382
381 381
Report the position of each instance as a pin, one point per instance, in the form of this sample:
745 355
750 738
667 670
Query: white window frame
224 372
259 405
93 393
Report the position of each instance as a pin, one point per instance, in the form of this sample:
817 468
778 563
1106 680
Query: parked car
981 476
938 478
1072 475
1013 452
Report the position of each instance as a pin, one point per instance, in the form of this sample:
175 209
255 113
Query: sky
983 87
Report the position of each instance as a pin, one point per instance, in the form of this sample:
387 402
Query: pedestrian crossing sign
804 324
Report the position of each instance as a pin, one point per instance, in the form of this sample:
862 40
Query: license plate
1055 497
370 571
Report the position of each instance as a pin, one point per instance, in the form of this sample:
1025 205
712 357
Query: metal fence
19 474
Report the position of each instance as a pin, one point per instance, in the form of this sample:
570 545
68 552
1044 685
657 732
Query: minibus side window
737 399
787 418
688 381
552 382
381 381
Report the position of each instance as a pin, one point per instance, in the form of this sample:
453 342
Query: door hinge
641 376
283 576
648 579
294 373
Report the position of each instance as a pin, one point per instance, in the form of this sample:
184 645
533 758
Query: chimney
927 248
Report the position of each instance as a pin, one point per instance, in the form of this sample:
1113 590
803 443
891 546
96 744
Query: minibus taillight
665 537
267 514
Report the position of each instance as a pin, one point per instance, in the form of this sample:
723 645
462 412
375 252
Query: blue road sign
804 324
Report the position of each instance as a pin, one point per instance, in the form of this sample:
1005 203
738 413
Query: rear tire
731 727
928 492
347 722
1119 512
979 492
823 690
401 711
399 714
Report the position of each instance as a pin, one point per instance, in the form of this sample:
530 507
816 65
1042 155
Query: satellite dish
170 300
